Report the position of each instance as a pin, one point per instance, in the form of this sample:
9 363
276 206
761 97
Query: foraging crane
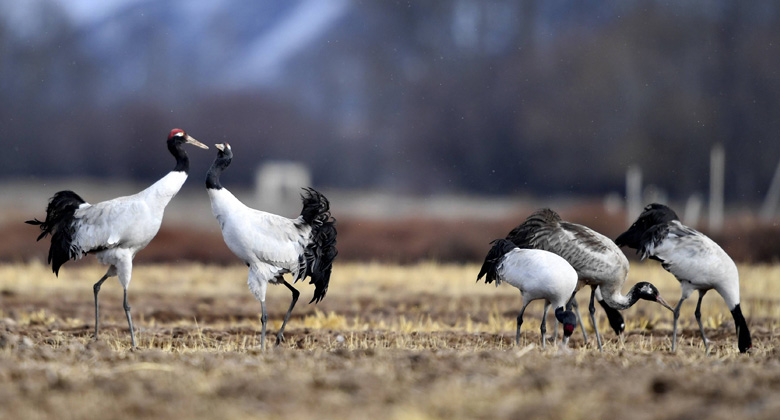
113 230
272 245
695 260
539 275
598 261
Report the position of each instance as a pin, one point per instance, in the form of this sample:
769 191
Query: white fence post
633 193
717 179
769 208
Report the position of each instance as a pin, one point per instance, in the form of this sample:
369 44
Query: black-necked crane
694 259
271 245
598 262
539 275
113 230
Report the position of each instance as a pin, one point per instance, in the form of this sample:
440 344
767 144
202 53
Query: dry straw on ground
419 341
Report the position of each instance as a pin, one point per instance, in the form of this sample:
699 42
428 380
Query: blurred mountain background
526 103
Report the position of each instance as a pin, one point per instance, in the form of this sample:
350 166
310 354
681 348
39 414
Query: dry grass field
421 341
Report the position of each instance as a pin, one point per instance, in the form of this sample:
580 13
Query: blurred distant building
278 186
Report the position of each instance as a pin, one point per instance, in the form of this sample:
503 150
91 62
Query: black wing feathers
653 217
59 224
322 250
493 259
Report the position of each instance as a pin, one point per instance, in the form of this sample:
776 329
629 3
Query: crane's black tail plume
59 224
322 251
535 226
646 226
493 259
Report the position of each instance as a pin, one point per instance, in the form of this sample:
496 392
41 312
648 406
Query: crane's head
177 136
224 156
647 291
224 151
568 319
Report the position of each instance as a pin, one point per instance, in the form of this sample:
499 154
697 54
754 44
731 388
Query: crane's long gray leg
701 327
674 327
295 294
592 310
129 320
263 320
258 285
543 327
573 305
519 323
96 289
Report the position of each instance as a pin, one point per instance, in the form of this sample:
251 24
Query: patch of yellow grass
386 285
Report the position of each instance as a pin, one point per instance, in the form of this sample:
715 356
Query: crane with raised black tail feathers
598 261
538 275
113 230
695 260
272 245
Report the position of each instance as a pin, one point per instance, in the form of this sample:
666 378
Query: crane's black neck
743 333
616 320
633 295
182 160
220 163
641 290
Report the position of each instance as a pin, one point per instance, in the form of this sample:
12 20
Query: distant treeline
543 97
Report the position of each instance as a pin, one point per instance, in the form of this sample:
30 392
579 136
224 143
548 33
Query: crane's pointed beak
663 303
194 142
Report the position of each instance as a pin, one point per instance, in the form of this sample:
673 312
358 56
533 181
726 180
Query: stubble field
422 341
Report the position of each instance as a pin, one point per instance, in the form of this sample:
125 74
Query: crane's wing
589 252
109 224
270 238
592 254
665 237
682 250
537 226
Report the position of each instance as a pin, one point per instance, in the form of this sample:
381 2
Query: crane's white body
269 244
697 262
539 275
121 227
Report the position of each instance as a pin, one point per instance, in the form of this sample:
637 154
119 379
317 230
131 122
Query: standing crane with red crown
113 230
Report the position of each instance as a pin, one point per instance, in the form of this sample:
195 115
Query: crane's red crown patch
175 132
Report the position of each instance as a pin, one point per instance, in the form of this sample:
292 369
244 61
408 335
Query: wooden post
717 179
769 208
693 210
633 193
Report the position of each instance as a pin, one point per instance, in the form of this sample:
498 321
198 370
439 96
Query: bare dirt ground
388 342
